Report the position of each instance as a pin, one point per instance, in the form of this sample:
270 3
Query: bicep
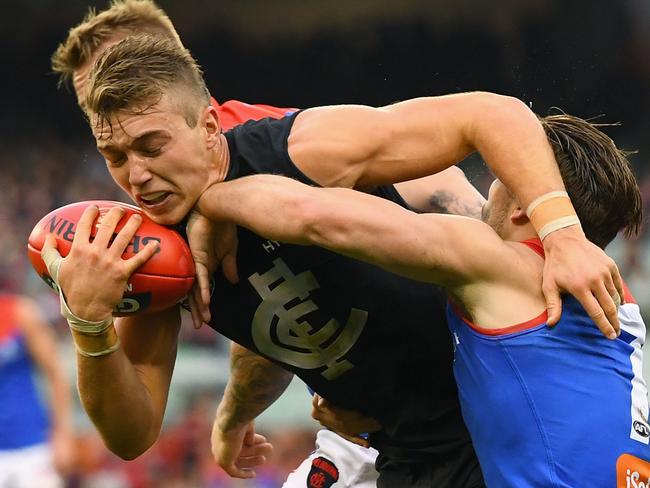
358 146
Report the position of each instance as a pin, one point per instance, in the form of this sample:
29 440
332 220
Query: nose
139 172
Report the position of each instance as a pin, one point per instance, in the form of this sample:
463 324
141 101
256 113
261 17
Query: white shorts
335 463
28 467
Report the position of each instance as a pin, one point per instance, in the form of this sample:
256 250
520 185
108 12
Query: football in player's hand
158 284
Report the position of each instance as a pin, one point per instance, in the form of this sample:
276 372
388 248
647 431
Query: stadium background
588 57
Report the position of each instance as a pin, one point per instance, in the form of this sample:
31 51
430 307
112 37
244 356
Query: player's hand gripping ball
158 284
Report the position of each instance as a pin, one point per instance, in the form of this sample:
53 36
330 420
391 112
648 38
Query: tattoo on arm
450 203
255 383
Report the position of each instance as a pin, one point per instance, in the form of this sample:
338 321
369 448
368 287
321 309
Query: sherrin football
158 284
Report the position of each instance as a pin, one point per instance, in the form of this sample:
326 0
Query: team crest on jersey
282 330
632 472
323 473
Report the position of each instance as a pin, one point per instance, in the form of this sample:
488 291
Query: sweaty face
496 209
161 162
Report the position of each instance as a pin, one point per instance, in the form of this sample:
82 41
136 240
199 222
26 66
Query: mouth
153 200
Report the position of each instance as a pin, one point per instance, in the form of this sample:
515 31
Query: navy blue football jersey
361 337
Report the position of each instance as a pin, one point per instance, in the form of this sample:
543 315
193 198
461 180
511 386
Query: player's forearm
118 403
254 384
271 206
339 219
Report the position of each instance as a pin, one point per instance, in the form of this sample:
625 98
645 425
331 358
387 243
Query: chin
166 218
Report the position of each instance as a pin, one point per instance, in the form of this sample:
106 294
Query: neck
519 233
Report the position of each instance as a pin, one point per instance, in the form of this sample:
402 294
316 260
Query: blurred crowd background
590 58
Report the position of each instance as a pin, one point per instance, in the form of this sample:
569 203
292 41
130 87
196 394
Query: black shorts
461 471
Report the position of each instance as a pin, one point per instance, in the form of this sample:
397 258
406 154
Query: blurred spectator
36 438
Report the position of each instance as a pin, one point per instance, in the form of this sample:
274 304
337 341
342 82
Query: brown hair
135 73
122 18
597 176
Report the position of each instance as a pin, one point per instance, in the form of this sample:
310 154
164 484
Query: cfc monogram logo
281 331
317 480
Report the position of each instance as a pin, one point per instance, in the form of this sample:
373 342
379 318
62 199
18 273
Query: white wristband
558 224
82 325
541 199
106 351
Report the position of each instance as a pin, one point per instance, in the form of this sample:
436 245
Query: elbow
494 105
493 115
495 99
127 454
127 439
130 450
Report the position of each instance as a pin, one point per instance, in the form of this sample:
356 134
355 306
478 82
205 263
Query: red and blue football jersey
555 407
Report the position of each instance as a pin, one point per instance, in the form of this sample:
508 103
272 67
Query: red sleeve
234 112
628 297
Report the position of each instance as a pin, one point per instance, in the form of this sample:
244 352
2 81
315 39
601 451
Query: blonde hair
134 74
122 18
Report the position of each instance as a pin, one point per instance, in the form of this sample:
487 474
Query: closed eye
116 162
151 152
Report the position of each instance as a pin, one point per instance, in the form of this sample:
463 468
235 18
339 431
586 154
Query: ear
518 216
210 122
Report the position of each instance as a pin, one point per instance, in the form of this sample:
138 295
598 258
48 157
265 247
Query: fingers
237 472
229 267
202 291
51 257
618 281
613 292
597 314
259 440
226 243
85 224
553 304
262 448
106 227
250 462
194 311
254 453
144 255
605 312
125 235
315 401
320 413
